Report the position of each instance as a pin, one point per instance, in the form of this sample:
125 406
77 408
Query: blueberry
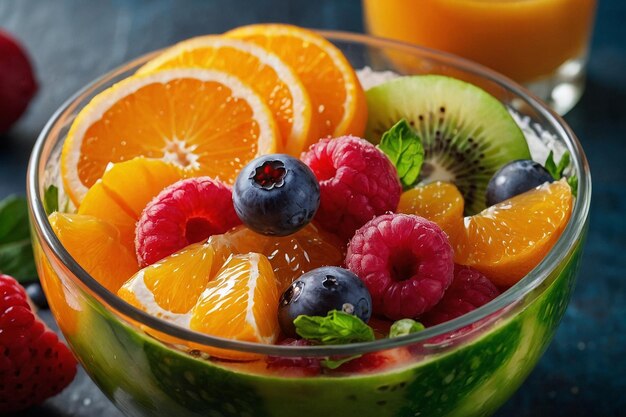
321 290
515 178
276 195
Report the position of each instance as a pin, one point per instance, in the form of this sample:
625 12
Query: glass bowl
465 367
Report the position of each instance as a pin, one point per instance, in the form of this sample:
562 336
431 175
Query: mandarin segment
290 256
241 302
506 241
103 205
95 245
117 198
265 72
339 105
207 122
439 202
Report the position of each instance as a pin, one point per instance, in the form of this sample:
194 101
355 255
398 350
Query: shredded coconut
370 78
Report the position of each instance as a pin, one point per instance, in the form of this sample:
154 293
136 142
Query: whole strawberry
34 364
17 81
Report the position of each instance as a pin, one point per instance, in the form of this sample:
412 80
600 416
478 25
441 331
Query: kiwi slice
467 133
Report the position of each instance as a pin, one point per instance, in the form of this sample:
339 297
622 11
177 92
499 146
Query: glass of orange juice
540 43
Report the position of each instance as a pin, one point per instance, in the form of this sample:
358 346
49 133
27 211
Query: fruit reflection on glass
205 202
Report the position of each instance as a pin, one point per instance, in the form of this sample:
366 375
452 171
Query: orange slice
265 72
208 122
241 302
171 287
95 245
290 256
440 202
506 241
196 288
339 105
124 190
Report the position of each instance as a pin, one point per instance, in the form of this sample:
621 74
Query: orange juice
524 39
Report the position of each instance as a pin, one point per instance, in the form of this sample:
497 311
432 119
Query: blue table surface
583 373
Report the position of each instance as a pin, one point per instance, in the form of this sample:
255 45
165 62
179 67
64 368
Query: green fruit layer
144 377
467 133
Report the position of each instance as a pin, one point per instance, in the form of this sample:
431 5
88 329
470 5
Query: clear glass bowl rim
573 232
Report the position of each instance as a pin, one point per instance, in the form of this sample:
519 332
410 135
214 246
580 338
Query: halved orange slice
339 105
171 287
275 81
506 241
208 122
95 245
196 288
241 302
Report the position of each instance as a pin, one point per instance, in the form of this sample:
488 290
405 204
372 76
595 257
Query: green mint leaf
16 252
51 199
336 363
404 327
557 170
550 165
335 329
404 148
563 164
573 183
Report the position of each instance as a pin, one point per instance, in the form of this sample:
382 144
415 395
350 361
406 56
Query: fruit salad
247 187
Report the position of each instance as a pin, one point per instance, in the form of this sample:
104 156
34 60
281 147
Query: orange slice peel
339 105
274 81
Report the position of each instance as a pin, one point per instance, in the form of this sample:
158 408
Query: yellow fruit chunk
339 105
95 245
275 81
207 122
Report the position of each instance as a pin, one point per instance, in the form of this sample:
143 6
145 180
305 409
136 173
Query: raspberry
34 364
405 261
295 366
186 212
469 290
357 183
